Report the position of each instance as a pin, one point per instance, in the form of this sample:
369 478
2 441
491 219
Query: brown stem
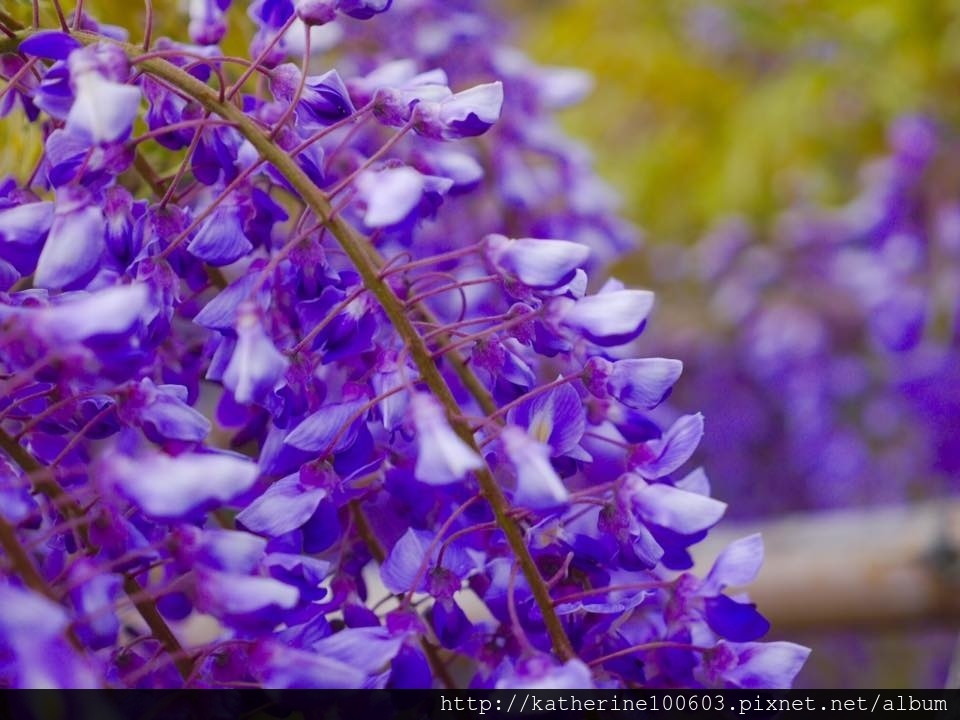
158 626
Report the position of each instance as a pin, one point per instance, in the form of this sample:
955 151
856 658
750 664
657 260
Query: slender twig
77 15
647 647
148 25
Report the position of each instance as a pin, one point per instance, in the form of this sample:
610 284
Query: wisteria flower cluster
311 377
836 339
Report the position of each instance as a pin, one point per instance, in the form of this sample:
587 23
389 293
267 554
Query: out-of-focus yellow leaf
708 108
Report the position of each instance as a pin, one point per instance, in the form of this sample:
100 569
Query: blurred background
794 167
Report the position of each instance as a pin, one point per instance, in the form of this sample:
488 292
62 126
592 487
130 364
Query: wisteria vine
311 378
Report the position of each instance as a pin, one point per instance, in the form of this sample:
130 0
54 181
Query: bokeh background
793 166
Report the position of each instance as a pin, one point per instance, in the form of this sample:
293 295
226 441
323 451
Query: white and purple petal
737 565
75 243
79 316
231 596
171 488
468 113
285 506
442 456
389 195
543 673
643 383
669 507
540 264
538 485
256 365
319 430
610 318
283 668
103 110
399 570
754 665
663 456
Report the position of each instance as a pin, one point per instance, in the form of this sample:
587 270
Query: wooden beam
887 567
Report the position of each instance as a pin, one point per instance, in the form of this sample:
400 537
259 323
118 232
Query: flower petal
643 383
73 247
284 507
104 111
318 431
610 318
399 570
111 311
737 565
256 365
683 512
442 457
50 44
471 112
220 239
673 449
538 485
538 264
390 195
170 488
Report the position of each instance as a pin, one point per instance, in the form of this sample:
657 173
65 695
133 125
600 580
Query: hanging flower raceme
263 338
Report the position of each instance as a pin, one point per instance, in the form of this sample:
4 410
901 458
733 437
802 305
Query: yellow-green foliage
789 104
692 129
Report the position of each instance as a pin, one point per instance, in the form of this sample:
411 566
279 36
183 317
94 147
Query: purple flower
220 240
556 418
256 365
755 665
670 507
104 109
94 595
169 488
395 87
50 44
323 101
400 572
22 231
442 457
163 413
75 242
464 114
660 457
538 264
391 196
347 365
610 318
36 651
319 431
280 667
207 26
363 9
286 505
543 673
78 317
639 383
538 485
316 12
